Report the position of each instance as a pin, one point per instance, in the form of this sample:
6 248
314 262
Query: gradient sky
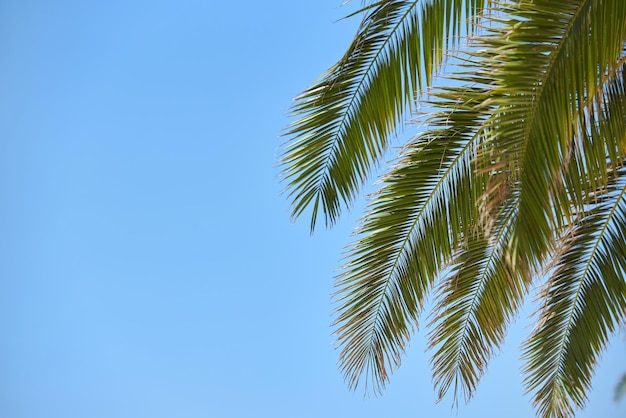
148 264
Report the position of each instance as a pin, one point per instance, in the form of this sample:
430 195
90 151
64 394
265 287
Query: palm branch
344 120
518 179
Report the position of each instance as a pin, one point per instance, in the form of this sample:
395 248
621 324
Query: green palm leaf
476 303
519 170
410 231
597 151
585 301
586 296
547 70
345 119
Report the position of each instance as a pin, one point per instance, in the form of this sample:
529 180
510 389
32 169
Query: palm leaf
476 303
343 121
586 296
598 150
520 169
585 301
548 68
409 232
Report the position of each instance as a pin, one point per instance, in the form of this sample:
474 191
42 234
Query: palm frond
521 168
475 306
550 53
586 295
585 302
597 151
343 121
410 231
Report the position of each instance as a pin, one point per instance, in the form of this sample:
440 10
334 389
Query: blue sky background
148 264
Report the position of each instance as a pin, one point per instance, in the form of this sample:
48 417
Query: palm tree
517 182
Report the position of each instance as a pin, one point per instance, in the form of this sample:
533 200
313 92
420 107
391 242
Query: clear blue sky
148 265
